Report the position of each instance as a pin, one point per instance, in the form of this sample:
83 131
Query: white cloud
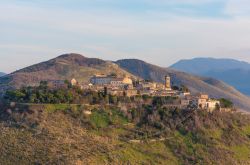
238 8
33 33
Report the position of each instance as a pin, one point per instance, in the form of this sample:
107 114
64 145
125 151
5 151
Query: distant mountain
196 84
233 72
2 74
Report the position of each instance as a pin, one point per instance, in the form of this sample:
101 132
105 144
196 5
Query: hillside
70 66
196 84
64 67
233 72
64 134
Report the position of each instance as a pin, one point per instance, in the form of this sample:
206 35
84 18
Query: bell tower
168 83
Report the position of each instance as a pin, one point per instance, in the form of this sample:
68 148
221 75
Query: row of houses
126 86
131 86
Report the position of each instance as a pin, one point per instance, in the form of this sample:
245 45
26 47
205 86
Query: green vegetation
141 134
42 94
225 103
241 152
100 119
103 118
67 95
159 101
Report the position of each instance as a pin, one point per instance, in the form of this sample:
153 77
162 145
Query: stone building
212 104
131 92
73 82
185 102
101 79
204 102
168 83
110 80
146 86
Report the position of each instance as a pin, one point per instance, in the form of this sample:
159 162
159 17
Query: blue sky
158 31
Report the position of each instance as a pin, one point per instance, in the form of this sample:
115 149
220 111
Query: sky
157 31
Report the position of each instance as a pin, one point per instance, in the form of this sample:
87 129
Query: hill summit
63 67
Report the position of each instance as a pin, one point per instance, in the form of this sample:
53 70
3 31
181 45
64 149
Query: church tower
168 83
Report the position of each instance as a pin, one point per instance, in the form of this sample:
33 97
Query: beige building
204 102
116 82
101 79
204 96
212 104
168 83
185 102
127 80
226 109
146 86
131 92
110 80
116 92
73 82
184 94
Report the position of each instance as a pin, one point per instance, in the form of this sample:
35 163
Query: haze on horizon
158 31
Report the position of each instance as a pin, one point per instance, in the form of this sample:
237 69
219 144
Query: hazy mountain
233 72
2 74
196 84
204 65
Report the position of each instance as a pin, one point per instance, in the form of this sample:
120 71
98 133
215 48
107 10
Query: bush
225 103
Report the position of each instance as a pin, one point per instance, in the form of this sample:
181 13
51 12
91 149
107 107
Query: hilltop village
126 86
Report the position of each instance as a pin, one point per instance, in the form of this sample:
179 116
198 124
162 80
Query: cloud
32 33
238 8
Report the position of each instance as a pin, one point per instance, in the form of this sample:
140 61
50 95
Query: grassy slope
63 134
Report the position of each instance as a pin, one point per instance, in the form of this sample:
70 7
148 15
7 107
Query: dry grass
68 137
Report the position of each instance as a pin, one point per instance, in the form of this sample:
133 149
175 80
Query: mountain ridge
76 66
205 64
233 72
63 67
2 74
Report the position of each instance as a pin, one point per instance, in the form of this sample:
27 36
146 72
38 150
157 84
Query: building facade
204 102
168 83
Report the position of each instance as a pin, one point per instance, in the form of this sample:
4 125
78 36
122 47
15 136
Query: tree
225 103
176 88
43 84
69 85
105 91
184 88
217 106
113 75
32 98
106 98
15 95
113 99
